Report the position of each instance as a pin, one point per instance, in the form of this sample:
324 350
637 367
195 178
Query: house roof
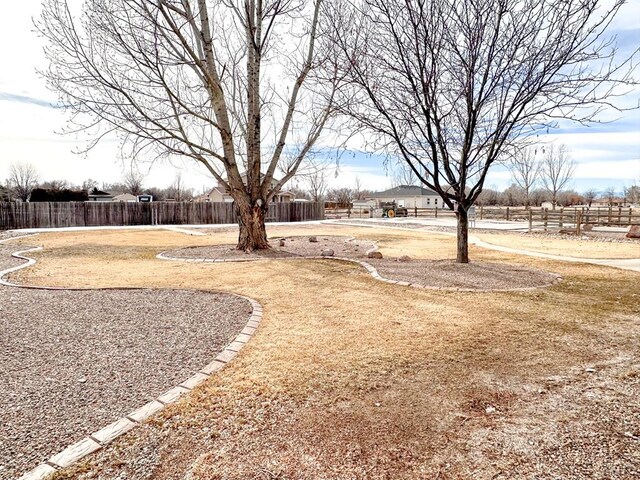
404 191
99 193
123 195
218 189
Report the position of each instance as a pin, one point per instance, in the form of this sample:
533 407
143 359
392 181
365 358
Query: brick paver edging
102 437
368 267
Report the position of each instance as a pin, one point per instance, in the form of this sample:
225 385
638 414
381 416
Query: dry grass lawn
350 378
559 246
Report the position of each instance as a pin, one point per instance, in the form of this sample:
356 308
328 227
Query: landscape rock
634 232
327 253
404 258
313 239
374 255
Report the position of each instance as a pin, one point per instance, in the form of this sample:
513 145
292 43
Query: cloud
11 97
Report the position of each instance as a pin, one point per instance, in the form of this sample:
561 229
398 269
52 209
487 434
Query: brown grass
351 378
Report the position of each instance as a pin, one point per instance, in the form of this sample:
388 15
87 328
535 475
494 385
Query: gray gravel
475 276
75 361
293 247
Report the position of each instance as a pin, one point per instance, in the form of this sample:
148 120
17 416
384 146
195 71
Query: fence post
610 219
530 220
560 223
545 216
579 223
415 211
436 212
630 215
481 211
507 214
619 215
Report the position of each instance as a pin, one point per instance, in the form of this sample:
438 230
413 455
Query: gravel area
6 260
474 276
605 237
5 234
440 274
75 361
293 247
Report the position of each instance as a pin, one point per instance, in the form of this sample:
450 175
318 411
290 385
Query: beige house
408 196
219 194
124 197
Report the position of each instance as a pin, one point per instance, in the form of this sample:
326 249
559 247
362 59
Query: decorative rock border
106 435
368 267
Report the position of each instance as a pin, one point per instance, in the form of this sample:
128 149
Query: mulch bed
75 361
438 274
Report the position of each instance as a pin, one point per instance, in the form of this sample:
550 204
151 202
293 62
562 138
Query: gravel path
74 361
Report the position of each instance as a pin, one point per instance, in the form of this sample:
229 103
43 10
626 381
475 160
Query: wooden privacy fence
103 214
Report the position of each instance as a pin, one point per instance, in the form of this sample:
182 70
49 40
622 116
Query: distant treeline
55 195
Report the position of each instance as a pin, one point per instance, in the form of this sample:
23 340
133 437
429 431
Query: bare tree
5 194
632 194
450 85
178 191
512 196
358 192
524 169
556 169
402 174
488 197
133 182
23 178
589 196
342 196
89 184
55 185
317 178
610 194
189 78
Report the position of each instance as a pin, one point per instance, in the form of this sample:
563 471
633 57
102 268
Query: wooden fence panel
80 214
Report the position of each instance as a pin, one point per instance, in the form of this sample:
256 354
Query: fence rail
86 214
537 217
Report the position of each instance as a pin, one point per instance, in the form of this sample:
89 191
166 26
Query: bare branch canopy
197 79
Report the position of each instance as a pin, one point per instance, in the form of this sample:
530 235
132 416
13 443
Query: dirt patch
474 276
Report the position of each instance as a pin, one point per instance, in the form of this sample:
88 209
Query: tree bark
463 235
251 221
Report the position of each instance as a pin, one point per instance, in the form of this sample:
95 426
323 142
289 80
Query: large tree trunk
463 235
253 233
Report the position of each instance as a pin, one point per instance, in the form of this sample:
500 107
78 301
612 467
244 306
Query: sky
607 155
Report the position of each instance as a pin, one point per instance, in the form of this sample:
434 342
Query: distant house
610 202
219 194
408 196
124 197
96 195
